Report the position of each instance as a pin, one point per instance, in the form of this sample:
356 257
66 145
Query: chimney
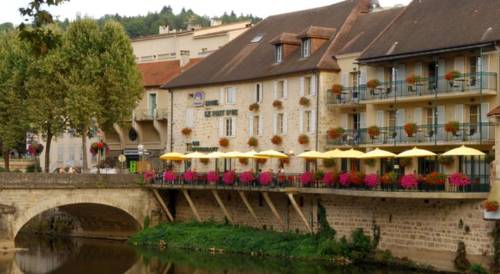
184 57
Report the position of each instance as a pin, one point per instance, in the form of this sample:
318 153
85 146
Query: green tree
14 61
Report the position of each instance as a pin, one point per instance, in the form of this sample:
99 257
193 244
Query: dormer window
306 47
279 53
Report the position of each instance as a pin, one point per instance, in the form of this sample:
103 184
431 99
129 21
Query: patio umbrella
464 151
216 155
233 155
377 154
415 153
195 155
332 154
312 155
272 154
351 154
172 156
249 154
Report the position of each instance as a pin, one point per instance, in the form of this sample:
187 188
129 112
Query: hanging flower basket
99 148
253 142
303 139
243 161
413 79
446 160
186 131
490 206
224 142
254 107
435 179
337 89
373 84
204 161
329 163
410 129
335 133
35 149
277 140
452 75
278 104
305 102
452 127
373 132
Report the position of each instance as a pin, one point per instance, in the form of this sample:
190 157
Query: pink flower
409 181
329 178
459 179
169 176
149 176
212 177
189 176
306 178
345 179
265 178
229 177
247 177
371 180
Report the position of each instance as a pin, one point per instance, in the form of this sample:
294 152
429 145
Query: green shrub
361 245
33 168
147 222
2 169
477 269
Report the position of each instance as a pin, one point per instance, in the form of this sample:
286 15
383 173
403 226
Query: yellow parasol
464 151
172 156
377 154
249 154
272 154
196 155
415 153
312 155
336 153
215 155
351 154
234 154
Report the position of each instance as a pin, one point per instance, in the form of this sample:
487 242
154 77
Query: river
75 256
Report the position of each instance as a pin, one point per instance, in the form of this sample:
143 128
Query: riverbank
219 238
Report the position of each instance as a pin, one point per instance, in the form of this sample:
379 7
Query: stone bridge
105 206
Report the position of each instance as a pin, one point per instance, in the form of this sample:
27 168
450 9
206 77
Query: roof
427 25
367 28
494 112
242 60
286 38
317 32
158 73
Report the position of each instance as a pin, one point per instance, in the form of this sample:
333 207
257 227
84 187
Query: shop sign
199 99
204 149
220 113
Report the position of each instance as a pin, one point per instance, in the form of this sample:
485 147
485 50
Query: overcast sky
96 8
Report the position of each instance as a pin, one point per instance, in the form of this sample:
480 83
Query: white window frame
230 95
150 110
256 125
229 127
278 53
308 120
308 85
280 128
306 47
259 93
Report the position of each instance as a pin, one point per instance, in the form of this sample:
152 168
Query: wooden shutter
222 97
400 117
221 127
313 85
285 89
234 126
301 121
313 121
302 83
285 123
261 125
250 124
275 123
380 118
362 120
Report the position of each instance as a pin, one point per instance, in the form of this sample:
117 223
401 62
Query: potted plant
186 131
356 178
224 142
254 107
277 140
490 206
278 104
212 177
265 178
373 132
169 176
337 89
452 75
410 129
388 180
303 139
409 181
335 133
345 179
304 101
229 177
446 160
189 176
459 180
253 142
452 127
435 180
373 84
243 161
329 178
413 79
371 180
306 179
247 177
99 148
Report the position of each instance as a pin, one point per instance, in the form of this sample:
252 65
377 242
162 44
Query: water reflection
77 256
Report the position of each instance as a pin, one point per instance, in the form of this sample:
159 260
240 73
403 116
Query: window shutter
313 86
313 121
344 120
302 83
285 89
250 124
275 123
285 123
275 90
400 117
362 120
261 91
441 73
221 99
301 121
261 125
418 116
221 127
234 95
459 113
234 126
380 118
460 64
363 76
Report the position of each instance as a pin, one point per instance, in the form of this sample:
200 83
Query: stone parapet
44 180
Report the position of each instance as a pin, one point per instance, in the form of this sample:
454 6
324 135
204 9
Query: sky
9 11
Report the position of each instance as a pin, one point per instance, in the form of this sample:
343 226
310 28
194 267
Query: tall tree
14 61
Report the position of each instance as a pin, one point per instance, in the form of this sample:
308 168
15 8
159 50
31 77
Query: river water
75 256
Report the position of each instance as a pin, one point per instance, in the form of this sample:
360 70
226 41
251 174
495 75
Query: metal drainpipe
317 109
480 95
171 120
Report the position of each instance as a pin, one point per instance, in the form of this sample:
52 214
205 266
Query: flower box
337 89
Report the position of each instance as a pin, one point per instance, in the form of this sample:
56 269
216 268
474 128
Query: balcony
150 115
483 83
477 133
162 114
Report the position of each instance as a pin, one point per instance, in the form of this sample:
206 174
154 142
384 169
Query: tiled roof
158 73
427 25
494 112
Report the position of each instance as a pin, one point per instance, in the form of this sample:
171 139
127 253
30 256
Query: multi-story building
271 84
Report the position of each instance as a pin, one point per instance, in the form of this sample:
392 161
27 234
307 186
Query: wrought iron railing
477 133
465 82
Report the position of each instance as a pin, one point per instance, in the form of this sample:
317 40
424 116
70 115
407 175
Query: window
279 53
306 47
429 116
280 123
474 114
307 85
280 89
229 127
230 95
152 104
258 92
308 121
392 119
256 125
257 38
356 121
